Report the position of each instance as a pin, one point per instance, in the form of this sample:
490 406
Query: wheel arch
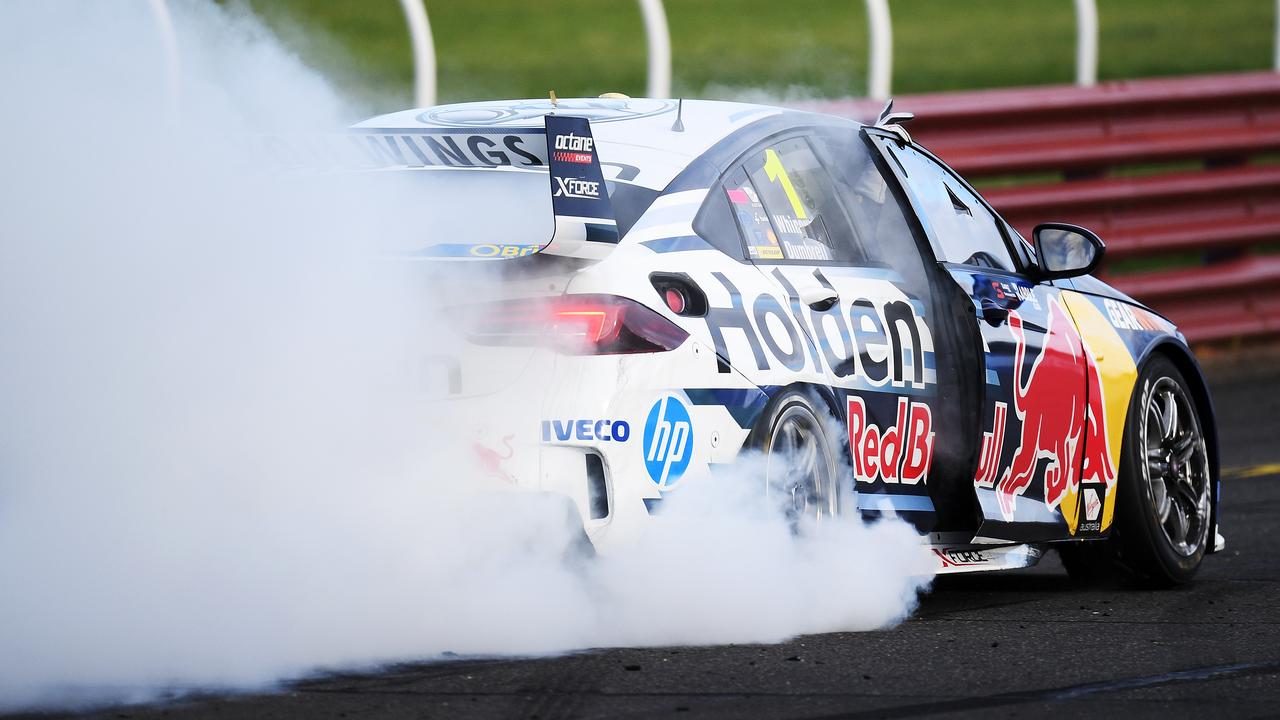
1182 358
821 394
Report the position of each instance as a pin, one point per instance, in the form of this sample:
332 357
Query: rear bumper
585 428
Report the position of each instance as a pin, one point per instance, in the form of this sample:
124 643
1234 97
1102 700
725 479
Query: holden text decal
878 344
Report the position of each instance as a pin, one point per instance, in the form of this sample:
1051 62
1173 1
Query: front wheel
799 456
1165 493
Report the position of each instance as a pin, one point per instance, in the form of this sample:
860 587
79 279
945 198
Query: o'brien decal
902 452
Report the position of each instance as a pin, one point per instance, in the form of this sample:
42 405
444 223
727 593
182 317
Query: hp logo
668 441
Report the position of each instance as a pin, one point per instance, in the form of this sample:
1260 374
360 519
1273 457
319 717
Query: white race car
686 280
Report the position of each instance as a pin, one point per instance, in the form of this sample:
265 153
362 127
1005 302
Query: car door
863 307
1027 473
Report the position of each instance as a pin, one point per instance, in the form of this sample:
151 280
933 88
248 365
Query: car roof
638 132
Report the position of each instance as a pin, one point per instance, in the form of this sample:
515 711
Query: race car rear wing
585 225
584 222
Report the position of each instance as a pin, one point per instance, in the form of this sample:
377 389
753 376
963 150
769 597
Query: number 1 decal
775 172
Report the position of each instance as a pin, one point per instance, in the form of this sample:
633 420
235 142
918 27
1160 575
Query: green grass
751 48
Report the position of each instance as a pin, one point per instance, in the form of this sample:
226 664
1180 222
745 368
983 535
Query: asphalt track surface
1017 644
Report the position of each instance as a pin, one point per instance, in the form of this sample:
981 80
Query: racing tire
799 456
1164 507
1091 562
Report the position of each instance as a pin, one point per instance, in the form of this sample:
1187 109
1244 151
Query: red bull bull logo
492 462
1049 406
1060 422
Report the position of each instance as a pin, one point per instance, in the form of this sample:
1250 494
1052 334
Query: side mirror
1065 250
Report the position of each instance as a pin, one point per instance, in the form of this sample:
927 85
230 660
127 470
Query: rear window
783 201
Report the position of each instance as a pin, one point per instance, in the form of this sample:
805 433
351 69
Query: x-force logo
954 558
575 188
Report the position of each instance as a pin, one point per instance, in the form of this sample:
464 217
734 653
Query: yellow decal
775 172
506 251
768 252
1113 369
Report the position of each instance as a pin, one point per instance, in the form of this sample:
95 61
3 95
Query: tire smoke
218 470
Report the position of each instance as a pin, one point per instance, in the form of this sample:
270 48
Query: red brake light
591 323
576 324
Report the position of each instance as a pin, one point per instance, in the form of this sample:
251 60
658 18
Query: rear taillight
577 324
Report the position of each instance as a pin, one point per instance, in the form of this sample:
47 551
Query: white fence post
424 52
1087 43
658 39
1277 52
880 34
172 61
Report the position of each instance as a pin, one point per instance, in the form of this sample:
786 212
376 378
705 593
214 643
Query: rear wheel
1165 493
800 459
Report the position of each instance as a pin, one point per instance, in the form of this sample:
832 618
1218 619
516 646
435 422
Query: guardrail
1180 177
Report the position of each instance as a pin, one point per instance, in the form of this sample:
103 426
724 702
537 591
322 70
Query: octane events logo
574 149
668 441
1054 420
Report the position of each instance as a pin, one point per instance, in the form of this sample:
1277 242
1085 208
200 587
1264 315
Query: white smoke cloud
216 468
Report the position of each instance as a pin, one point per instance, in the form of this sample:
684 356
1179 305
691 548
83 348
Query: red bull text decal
992 448
900 453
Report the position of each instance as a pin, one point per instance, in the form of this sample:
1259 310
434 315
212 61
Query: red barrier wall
1180 176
